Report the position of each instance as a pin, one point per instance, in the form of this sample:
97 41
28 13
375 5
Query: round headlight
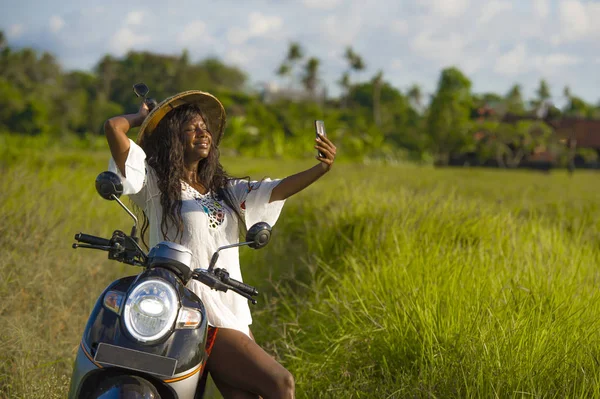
150 310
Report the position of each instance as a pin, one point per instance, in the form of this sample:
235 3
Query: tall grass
380 281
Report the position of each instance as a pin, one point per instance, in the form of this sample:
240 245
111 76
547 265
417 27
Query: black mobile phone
320 131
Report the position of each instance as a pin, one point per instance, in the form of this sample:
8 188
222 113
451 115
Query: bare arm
116 129
298 182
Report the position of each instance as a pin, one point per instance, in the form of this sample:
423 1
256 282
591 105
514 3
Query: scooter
146 336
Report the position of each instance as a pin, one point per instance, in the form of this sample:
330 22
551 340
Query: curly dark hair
164 150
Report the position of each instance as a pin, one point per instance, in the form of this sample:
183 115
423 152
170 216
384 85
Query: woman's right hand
141 114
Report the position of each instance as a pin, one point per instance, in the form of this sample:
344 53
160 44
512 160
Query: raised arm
116 129
298 182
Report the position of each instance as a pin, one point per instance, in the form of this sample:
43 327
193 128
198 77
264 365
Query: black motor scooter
147 334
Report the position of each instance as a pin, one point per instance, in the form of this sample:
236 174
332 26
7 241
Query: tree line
370 118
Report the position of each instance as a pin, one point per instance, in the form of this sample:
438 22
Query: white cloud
447 8
444 48
56 23
134 18
396 64
15 31
492 9
557 60
400 26
125 39
341 31
512 62
519 61
237 56
237 35
192 33
321 4
93 11
541 8
578 21
258 25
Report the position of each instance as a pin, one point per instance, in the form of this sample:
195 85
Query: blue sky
495 42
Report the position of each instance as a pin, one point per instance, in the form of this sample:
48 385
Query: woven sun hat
211 107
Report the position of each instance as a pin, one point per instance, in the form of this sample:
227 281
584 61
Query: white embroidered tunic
208 224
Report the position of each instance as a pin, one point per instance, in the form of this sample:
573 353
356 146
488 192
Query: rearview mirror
109 184
140 89
259 234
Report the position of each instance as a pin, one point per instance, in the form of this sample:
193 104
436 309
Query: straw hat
211 108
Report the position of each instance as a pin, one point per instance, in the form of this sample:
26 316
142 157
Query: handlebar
125 249
92 240
219 280
223 275
120 247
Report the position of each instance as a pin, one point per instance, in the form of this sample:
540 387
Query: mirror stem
213 261
135 220
215 256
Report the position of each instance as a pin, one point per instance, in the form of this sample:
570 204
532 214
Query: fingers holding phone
326 151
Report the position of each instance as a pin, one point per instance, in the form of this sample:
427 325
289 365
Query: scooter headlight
150 310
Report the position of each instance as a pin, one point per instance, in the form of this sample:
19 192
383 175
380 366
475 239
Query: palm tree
542 103
355 63
345 83
354 60
543 91
285 70
294 55
415 95
311 75
514 100
568 96
377 83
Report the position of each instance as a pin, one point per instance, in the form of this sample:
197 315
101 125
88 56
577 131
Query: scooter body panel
183 349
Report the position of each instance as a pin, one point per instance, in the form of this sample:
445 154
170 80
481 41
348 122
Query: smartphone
320 131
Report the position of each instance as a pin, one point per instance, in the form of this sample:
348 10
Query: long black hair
164 150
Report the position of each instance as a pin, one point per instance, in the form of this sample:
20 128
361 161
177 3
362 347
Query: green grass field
380 281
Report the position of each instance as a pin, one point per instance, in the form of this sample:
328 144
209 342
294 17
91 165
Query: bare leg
229 392
238 364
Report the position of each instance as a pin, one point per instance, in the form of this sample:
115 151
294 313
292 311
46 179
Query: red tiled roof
585 131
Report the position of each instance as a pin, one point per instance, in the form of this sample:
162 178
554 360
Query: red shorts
210 339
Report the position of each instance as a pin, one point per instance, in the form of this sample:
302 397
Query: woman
174 175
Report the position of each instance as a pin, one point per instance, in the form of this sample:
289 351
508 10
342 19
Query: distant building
571 132
585 132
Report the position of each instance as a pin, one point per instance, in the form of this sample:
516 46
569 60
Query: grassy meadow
381 281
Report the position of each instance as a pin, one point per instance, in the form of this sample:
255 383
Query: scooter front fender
125 386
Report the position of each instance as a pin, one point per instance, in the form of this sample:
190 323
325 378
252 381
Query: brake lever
248 297
101 247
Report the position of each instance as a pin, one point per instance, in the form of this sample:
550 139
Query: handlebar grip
248 289
93 240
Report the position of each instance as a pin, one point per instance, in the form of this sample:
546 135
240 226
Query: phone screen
320 130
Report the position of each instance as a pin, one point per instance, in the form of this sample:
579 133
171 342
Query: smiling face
197 139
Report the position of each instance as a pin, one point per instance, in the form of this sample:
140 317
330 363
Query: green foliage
371 119
514 100
448 121
578 108
508 144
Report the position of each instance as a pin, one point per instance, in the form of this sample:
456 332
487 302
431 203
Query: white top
208 224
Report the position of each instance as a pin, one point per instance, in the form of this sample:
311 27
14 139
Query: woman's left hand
326 147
